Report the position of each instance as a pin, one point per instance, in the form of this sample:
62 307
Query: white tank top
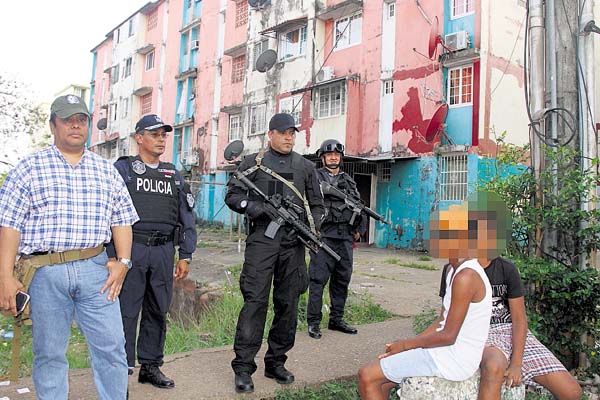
459 361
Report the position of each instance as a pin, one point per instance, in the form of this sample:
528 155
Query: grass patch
335 390
395 261
216 327
389 278
422 320
218 324
425 258
77 352
209 245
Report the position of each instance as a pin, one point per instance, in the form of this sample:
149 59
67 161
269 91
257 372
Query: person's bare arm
434 325
122 237
466 288
519 334
9 244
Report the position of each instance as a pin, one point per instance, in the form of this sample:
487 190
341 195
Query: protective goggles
333 147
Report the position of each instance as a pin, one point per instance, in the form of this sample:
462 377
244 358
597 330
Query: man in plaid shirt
57 209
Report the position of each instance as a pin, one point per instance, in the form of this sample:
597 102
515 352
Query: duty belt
152 238
40 259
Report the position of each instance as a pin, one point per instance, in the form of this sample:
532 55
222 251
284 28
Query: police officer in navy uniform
281 260
339 234
165 206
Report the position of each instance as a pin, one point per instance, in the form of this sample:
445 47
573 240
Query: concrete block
433 388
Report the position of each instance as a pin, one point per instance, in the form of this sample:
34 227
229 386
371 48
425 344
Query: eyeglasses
334 147
156 135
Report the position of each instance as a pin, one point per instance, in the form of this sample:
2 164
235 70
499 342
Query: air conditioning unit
189 158
457 40
195 44
325 74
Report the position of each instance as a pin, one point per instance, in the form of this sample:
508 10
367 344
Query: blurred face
70 133
152 142
332 160
458 233
282 142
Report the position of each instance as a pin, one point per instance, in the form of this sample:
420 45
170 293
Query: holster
23 271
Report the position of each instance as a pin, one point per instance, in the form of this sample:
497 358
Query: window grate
453 177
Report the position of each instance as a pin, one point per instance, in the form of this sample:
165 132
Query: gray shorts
415 362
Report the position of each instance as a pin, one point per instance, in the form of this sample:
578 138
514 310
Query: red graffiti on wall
412 123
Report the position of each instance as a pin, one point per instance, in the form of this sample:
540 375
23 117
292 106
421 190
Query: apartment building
416 90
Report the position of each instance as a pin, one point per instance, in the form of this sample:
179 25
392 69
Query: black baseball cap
282 122
151 122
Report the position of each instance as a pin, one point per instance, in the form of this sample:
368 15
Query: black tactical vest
290 167
154 192
337 213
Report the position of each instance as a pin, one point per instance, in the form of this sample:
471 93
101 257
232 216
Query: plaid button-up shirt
58 207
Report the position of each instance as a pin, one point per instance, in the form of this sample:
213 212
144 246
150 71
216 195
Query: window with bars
460 86
146 104
292 43
453 177
331 100
388 86
235 127
258 119
384 171
152 21
131 30
124 107
114 74
459 8
259 47
127 69
238 67
241 13
391 10
150 60
292 105
348 31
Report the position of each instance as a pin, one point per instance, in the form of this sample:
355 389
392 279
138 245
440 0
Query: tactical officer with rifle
274 252
343 224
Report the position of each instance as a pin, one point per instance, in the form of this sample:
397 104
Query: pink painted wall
363 96
103 55
169 101
417 79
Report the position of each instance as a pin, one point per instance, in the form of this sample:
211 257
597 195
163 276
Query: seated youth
452 345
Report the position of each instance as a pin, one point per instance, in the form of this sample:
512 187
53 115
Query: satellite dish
233 150
437 126
101 124
258 4
434 38
266 60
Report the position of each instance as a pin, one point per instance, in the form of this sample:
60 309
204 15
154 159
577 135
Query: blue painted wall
406 200
210 199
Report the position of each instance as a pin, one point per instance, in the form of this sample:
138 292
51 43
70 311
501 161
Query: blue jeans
59 294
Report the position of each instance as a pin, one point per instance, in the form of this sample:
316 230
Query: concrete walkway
206 374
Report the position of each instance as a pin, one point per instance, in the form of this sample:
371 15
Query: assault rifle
282 212
353 203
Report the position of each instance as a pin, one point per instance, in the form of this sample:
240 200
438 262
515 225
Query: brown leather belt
62 257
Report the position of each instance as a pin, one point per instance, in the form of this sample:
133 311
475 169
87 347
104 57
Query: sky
47 43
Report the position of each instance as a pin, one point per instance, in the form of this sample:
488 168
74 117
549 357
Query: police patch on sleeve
190 200
138 167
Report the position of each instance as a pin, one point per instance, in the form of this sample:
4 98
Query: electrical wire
510 57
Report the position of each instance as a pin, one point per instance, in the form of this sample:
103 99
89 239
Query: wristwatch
126 261
189 260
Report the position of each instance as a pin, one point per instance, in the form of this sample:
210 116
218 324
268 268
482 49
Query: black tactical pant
265 261
322 268
148 287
